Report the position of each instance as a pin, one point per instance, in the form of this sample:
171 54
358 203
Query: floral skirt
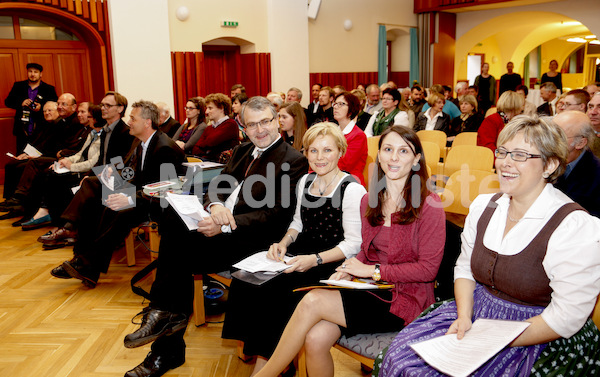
578 355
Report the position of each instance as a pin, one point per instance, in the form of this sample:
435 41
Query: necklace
321 192
510 217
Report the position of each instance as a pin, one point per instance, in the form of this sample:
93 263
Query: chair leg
199 310
301 361
130 249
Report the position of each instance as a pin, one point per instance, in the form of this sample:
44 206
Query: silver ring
343 266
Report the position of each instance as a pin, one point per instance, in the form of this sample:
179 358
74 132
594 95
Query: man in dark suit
510 80
313 107
105 226
168 125
581 180
267 169
548 94
28 98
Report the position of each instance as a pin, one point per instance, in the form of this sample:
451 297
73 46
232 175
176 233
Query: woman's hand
340 276
180 144
356 268
301 263
277 251
460 327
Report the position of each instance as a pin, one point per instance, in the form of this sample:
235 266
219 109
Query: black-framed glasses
515 155
189 108
106 105
263 123
339 104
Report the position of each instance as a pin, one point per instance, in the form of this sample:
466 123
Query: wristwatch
319 259
377 273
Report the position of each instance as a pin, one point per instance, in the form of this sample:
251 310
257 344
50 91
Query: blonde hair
545 135
510 102
471 100
434 97
324 129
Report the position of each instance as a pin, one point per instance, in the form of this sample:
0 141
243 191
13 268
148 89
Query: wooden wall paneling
198 68
75 78
78 7
70 6
102 14
93 11
443 51
401 79
46 60
63 3
55 3
9 65
85 9
179 72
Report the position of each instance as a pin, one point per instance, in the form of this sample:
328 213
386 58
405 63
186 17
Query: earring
545 175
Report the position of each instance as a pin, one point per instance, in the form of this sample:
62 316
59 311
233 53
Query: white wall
288 45
141 50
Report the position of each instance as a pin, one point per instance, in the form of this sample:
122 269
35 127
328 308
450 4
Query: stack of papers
260 263
189 208
60 169
31 151
358 284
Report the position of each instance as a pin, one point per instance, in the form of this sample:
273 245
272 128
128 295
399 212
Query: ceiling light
590 37
577 40
595 42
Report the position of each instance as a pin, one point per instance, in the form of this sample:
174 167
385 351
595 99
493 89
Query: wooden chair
596 313
373 148
150 230
462 188
432 155
475 157
193 159
435 136
465 138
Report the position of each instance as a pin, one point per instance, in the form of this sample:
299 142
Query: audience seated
510 104
417 99
222 133
325 229
275 100
576 99
389 115
529 108
168 125
548 94
110 215
433 118
236 106
581 180
236 228
362 119
354 159
190 131
533 236
294 95
292 121
449 107
374 103
402 244
593 112
325 113
469 120
115 144
313 107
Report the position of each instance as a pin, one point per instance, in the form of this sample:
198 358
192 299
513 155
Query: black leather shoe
155 324
155 365
59 272
12 213
9 203
77 269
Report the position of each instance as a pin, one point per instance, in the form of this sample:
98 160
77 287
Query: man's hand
26 103
23 156
208 227
222 216
37 107
117 202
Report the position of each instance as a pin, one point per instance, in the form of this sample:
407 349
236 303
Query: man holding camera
28 97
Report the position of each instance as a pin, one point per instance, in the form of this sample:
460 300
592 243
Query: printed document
259 262
189 208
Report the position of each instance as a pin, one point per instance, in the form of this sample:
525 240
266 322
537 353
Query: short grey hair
298 92
257 104
549 86
460 85
149 111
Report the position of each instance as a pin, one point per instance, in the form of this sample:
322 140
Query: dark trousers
12 174
57 193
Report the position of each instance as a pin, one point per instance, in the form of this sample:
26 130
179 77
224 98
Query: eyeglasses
189 108
106 105
516 156
339 104
566 104
263 123
387 99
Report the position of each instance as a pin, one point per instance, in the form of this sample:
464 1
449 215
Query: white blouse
351 223
401 119
572 261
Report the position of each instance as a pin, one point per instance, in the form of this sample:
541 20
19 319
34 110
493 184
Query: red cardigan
487 134
355 159
216 140
414 257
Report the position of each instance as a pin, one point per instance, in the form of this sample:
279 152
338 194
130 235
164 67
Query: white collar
262 150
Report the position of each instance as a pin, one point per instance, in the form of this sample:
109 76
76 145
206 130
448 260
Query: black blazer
161 150
18 94
170 127
442 123
545 109
583 183
119 144
279 164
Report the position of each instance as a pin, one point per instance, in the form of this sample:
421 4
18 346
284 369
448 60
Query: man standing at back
28 98
510 80
267 170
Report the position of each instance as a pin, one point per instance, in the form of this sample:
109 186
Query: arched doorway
69 39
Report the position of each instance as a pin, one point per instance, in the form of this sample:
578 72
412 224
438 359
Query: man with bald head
581 180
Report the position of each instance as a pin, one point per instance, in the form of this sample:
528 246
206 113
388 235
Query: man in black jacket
28 97
103 227
263 204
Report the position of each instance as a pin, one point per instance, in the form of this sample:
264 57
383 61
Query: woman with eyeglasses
325 229
403 235
528 254
292 121
346 107
190 131
389 115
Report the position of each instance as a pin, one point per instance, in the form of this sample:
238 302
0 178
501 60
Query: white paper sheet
60 169
259 262
354 284
460 358
188 207
31 151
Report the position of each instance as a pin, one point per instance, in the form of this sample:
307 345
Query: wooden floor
55 327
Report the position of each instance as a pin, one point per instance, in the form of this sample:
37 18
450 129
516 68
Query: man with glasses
581 179
576 100
250 204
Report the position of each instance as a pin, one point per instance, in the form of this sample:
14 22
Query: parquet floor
57 328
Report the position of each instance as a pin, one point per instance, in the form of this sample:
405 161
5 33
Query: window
31 29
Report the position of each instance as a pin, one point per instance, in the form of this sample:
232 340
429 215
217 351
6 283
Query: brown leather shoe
47 235
60 235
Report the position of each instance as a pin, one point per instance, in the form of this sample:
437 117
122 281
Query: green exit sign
230 24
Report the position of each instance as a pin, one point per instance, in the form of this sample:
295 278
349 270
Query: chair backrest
373 148
477 158
465 138
432 155
435 136
596 313
464 186
193 159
